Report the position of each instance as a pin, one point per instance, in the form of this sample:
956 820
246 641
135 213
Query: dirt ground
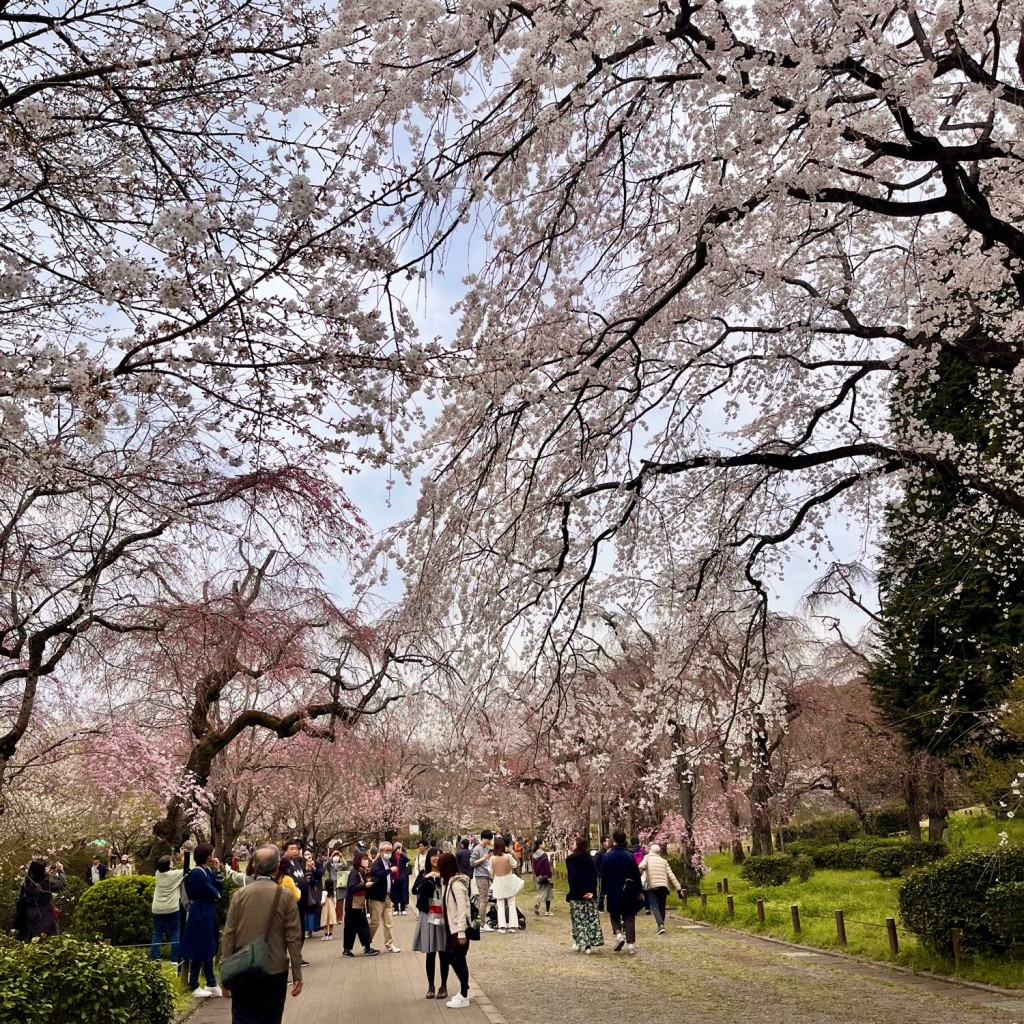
707 977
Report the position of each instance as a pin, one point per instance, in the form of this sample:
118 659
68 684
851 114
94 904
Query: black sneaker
347 952
370 951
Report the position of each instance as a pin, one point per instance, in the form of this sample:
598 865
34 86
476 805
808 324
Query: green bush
803 865
67 981
837 828
67 900
888 861
775 869
1004 913
888 821
839 857
953 893
118 910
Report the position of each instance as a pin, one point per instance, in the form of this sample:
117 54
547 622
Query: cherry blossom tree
712 233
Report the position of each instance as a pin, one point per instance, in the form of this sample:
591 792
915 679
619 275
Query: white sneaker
458 1002
325 938
549 914
488 928
631 949
201 993
588 951
392 949
216 991
620 941
575 948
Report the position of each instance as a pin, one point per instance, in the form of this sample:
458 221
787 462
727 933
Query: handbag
254 957
323 897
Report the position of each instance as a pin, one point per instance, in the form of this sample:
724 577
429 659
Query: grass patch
866 901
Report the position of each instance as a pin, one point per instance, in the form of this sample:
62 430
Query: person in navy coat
622 892
199 943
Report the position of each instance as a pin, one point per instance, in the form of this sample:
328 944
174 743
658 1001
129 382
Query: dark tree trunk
760 791
912 795
684 783
938 809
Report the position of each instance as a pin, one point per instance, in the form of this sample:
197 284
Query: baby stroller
492 914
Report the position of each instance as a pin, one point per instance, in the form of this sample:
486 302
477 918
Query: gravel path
708 976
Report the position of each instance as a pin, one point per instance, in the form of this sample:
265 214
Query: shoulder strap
273 911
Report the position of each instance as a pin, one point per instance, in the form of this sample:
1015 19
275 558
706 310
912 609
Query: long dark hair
37 871
581 845
357 860
499 846
431 854
447 866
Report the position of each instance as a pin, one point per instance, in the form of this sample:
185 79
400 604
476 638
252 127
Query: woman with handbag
505 885
582 898
357 925
35 913
430 937
458 921
315 886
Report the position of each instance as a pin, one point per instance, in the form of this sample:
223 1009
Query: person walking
293 864
480 862
517 852
583 916
400 888
638 851
430 937
199 943
657 876
34 913
505 885
383 874
622 892
457 911
542 873
356 925
257 910
166 908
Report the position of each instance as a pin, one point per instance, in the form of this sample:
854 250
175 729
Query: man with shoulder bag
263 933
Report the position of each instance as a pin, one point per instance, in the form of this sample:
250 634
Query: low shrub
67 981
775 869
837 828
803 866
889 821
888 861
839 857
953 893
117 910
1004 913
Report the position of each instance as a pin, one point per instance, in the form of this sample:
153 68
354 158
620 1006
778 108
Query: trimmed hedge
803 866
67 981
890 857
837 828
1004 913
117 910
774 869
889 821
957 892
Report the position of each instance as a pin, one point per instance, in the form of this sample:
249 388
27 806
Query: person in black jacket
622 891
582 897
384 875
356 923
293 865
34 914
431 937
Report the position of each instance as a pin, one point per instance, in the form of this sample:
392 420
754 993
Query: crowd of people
457 891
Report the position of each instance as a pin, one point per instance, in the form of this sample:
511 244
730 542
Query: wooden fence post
760 910
719 884
703 901
730 906
725 886
794 913
894 939
840 928
955 934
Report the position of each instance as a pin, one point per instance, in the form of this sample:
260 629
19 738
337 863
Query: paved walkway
385 989
702 975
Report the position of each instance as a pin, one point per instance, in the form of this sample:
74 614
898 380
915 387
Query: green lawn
866 901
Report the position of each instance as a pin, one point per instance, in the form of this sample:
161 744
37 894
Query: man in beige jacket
657 877
260 1000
